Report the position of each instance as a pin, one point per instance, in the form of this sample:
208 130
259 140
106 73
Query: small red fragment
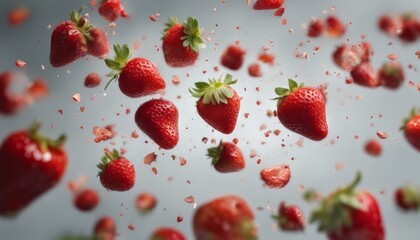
373 148
149 158
146 202
17 16
20 63
276 176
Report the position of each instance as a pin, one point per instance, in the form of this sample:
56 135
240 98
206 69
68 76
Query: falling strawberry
18 15
373 148
391 75
276 176
224 218
407 198
105 229
254 70
158 119
111 10
233 57
348 214
226 157
267 4
181 42
97 43
410 30
363 75
290 218
116 173
137 77
389 25
166 233
348 57
302 110
30 165
86 200
411 127
10 102
92 80
145 202
334 27
218 103
316 28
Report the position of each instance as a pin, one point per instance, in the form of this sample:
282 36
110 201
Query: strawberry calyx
391 69
413 113
215 152
284 92
247 229
411 197
45 143
81 23
192 37
334 211
285 222
215 91
122 55
107 158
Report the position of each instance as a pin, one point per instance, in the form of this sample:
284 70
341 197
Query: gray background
314 164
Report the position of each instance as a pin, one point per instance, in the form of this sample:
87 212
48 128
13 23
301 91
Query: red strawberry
290 218
181 42
411 127
407 198
97 43
92 80
166 233
254 70
18 15
145 202
116 173
373 148
224 218
334 27
410 31
347 214
10 103
349 57
276 176
86 200
389 25
226 157
363 74
391 75
158 118
218 103
137 77
316 28
30 165
267 4
111 10
302 110
233 57
105 228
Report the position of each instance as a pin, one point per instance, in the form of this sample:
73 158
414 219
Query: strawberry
410 30
349 57
18 15
30 165
267 4
105 228
334 27
373 148
158 119
363 75
276 176
86 200
166 233
389 25
92 80
224 218
10 103
145 202
226 157
116 173
110 10
302 110
411 127
407 198
391 75
254 70
181 42
348 214
316 28
137 77
218 103
97 43
233 57
289 218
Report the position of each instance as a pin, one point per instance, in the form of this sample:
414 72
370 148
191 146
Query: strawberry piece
226 157
116 173
276 176
389 25
373 148
267 58
410 31
86 200
233 57
145 202
218 103
254 70
111 10
10 103
97 43
334 28
166 233
137 77
105 228
182 42
158 119
18 16
302 110
92 80
289 218
37 89
411 127
316 28
363 74
347 214
31 164
267 4
349 57
407 198
227 217
391 75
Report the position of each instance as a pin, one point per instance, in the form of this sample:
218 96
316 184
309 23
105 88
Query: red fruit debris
279 12
179 219
149 158
20 63
154 17
17 16
101 134
276 176
233 57
382 135
267 4
189 199
363 74
105 228
92 80
392 56
146 202
86 200
131 227
334 27
77 97
254 70
267 58
373 148
389 25
316 28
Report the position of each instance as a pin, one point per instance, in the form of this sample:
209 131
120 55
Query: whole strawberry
226 157
407 198
267 4
391 75
166 233
137 77
105 229
348 214
316 28
97 43
233 57
158 119
363 75
290 218
111 10
333 27
30 165
181 42
86 200
218 103
225 218
411 127
302 110
410 30
10 103
116 173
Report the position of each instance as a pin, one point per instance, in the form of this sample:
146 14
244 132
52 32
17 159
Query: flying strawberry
302 110
18 15
233 57
137 77
391 75
181 42
363 75
145 202
10 103
116 173
111 10
290 218
411 127
105 229
267 4
92 80
316 28
348 214
373 148
218 103
158 119
407 198
389 24
86 200
225 218
226 157
277 176
30 165
348 57
166 233
97 43
410 30
334 27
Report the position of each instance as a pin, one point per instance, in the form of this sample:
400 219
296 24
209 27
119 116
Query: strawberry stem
107 158
414 112
122 55
215 91
215 152
45 143
284 92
